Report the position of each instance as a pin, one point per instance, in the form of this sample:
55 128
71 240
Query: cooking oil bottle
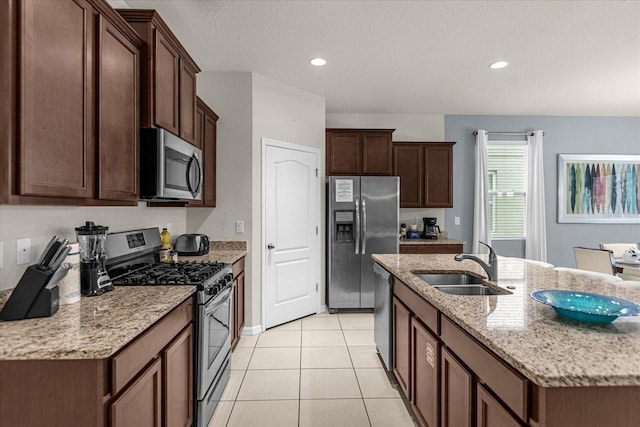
165 237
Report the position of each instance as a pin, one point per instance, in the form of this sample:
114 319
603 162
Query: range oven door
214 341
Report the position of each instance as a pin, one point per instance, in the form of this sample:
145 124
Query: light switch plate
23 251
239 227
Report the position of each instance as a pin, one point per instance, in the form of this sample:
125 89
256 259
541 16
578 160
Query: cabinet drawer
424 311
238 267
507 384
134 357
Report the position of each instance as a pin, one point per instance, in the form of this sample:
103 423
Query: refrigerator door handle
357 231
364 226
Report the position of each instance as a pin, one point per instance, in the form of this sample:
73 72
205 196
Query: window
507 170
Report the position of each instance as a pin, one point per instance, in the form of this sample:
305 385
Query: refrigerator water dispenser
344 226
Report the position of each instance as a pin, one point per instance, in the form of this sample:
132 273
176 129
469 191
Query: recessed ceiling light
318 62
498 64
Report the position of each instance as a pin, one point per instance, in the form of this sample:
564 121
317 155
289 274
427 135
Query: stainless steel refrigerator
362 219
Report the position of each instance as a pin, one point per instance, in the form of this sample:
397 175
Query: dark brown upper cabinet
69 106
359 151
168 76
426 173
205 131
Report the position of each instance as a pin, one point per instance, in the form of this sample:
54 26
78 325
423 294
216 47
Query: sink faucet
491 268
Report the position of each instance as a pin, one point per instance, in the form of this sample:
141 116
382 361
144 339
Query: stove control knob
228 277
211 290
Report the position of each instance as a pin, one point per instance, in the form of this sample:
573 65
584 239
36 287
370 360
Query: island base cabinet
424 369
491 413
401 345
584 406
456 393
140 403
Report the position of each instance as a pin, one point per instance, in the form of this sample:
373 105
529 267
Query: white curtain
536 244
481 228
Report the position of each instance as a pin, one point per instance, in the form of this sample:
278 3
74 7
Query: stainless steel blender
94 279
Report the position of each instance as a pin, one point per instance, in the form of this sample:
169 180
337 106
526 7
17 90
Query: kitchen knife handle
357 231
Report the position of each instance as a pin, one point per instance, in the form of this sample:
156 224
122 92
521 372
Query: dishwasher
382 315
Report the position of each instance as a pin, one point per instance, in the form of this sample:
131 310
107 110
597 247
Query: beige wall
408 127
40 223
251 107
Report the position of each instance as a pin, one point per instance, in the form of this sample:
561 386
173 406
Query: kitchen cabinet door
456 393
343 153
491 413
178 385
376 153
187 102
166 88
56 128
209 159
438 175
402 345
141 403
238 301
430 249
118 112
425 361
408 165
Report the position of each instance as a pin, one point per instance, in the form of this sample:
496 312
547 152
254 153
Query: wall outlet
456 220
239 227
23 251
169 227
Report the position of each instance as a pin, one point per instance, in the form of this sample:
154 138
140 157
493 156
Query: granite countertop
93 328
439 241
221 251
549 350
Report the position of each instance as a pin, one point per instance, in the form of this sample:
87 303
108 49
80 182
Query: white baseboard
249 331
323 309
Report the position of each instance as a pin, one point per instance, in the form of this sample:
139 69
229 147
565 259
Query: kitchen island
518 358
100 361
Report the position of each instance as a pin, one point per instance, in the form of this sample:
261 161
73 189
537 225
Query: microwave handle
194 162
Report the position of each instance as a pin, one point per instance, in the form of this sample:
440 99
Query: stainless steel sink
459 284
449 279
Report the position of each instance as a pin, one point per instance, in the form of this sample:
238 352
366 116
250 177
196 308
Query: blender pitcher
92 239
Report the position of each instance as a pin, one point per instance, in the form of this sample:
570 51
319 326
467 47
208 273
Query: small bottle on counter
165 237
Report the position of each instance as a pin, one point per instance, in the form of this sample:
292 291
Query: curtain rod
475 133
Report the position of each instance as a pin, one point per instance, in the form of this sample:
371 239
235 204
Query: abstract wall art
595 188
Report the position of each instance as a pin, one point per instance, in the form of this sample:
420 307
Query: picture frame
598 188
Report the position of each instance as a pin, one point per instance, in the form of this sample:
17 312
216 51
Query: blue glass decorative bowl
586 306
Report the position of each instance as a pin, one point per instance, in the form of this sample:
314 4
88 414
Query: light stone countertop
423 242
221 251
549 350
93 328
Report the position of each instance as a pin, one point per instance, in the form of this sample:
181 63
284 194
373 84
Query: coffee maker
430 227
92 239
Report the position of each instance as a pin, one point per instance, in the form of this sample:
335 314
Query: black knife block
31 297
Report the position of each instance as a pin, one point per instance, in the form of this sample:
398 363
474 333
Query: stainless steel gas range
133 260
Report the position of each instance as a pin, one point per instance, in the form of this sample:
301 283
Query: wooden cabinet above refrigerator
358 151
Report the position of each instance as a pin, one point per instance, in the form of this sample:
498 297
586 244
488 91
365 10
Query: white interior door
291 203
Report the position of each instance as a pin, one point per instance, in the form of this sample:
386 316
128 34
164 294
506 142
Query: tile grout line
356 374
235 399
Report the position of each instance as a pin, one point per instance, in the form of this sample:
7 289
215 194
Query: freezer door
380 214
343 241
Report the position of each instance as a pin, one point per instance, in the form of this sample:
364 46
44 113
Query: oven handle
217 301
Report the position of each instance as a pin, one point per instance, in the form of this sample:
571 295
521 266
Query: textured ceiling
567 57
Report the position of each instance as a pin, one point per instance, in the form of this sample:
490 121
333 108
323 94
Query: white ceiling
567 57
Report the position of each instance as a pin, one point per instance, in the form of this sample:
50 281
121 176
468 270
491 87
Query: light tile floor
319 371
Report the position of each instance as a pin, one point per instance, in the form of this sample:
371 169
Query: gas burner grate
174 273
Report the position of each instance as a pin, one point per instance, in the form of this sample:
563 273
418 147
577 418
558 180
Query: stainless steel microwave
170 167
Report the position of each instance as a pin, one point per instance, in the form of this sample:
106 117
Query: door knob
270 246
